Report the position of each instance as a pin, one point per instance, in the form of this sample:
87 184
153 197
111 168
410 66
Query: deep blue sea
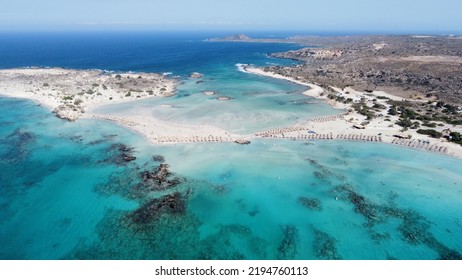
180 53
64 193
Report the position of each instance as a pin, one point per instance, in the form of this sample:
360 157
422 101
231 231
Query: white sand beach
72 94
349 126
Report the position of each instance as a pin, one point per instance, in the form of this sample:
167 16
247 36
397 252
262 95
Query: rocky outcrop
196 75
139 182
242 142
224 98
158 179
68 112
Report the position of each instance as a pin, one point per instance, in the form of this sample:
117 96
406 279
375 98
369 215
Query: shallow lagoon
257 103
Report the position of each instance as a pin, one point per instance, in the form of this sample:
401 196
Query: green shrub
427 124
409 113
430 132
455 136
404 122
392 111
379 106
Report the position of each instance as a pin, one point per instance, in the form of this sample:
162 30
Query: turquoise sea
65 193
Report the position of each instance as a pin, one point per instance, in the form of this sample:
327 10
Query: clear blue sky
320 15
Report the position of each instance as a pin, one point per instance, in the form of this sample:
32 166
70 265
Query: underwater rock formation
17 146
220 189
324 246
76 138
120 154
414 228
310 203
119 183
364 207
160 178
135 184
288 248
152 210
242 142
224 98
158 158
323 172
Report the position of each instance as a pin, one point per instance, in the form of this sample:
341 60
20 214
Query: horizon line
315 32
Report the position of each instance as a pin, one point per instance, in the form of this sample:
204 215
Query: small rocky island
236 37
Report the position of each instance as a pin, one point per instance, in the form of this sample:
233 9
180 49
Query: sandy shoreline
70 93
161 132
341 126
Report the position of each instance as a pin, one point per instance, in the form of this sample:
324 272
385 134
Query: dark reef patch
119 183
158 158
362 206
76 138
119 154
134 183
109 137
17 146
287 249
413 228
170 234
220 189
173 204
233 242
324 246
254 212
97 142
310 203
324 173
158 179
